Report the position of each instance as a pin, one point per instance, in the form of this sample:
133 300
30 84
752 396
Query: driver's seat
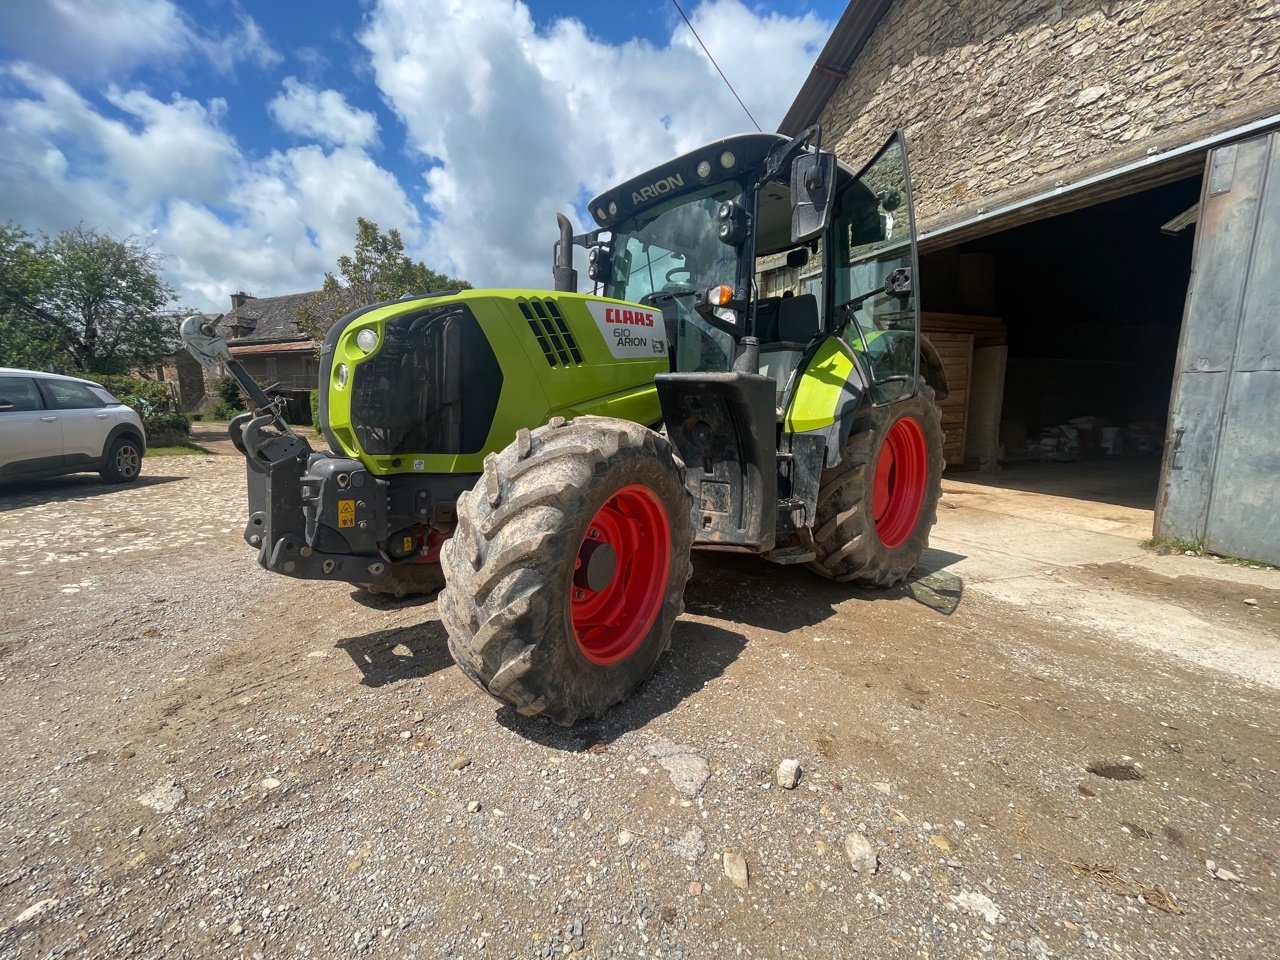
797 324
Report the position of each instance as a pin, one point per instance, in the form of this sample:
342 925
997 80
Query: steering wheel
687 271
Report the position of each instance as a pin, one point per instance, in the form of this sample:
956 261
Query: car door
85 422
30 433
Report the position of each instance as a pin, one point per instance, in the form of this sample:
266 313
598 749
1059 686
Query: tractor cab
740 253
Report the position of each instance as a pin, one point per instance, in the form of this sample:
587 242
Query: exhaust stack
564 276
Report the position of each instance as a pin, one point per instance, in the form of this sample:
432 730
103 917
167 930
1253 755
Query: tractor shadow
404 653
737 588
699 654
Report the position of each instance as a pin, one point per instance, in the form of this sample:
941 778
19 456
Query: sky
241 140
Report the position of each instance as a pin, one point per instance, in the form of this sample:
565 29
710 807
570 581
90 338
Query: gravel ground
200 759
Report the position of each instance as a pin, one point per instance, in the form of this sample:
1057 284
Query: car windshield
674 247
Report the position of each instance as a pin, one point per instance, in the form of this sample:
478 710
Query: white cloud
96 39
523 122
507 123
175 177
323 115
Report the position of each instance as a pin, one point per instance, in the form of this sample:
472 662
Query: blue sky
242 139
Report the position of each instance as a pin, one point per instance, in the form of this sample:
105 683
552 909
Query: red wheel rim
902 478
609 622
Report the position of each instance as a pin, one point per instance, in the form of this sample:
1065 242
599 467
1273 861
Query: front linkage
311 515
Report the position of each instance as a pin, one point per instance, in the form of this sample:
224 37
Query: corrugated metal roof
300 346
847 40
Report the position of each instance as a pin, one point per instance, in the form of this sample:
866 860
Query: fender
825 394
123 430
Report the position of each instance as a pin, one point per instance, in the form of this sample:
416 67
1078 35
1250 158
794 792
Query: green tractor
747 375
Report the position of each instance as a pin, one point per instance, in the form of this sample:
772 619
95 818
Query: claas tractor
746 374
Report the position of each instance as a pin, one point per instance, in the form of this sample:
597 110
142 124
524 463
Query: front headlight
367 339
343 374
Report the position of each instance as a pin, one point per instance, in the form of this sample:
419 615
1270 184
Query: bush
315 408
147 397
167 428
229 396
229 399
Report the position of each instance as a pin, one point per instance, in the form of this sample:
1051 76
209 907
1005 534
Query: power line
714 64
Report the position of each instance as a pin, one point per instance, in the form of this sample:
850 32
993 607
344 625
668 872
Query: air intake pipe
565 277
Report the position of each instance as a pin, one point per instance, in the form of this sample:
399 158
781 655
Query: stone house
1097 228
263 334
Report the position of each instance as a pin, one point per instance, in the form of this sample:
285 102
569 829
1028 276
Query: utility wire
716 65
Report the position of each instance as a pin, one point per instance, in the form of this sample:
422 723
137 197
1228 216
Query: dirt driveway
199 759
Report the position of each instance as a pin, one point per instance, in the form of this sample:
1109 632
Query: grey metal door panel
1244 509
1224 235
1183 505
1221 477
1259 341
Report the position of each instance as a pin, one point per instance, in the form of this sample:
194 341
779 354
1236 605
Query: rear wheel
124 461
568 566
876 506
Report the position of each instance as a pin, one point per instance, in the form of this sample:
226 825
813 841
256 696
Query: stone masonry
1004 99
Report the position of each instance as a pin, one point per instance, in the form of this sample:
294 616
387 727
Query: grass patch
1170 545
1252 564
181 450
1173 544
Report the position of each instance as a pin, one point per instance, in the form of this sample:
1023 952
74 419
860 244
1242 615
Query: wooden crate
956 352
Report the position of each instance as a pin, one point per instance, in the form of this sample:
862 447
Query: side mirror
797 258
6 406
813 180
600 264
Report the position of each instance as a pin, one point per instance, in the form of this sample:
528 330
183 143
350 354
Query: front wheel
567 568
123 463
877 505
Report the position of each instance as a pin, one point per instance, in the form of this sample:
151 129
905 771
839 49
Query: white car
51 424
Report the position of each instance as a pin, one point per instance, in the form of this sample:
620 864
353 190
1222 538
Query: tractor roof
729 159
673 177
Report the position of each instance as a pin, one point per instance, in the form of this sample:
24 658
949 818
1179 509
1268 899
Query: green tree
82 301
377 270
26 340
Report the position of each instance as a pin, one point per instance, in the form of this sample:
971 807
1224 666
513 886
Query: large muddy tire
877 505
409 580
568 565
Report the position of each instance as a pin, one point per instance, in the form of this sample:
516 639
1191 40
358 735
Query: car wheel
124 461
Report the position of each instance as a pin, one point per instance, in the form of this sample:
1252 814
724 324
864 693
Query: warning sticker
631 333
346 513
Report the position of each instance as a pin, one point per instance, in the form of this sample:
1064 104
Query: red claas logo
637 318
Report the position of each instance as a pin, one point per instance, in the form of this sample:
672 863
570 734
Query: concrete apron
1040 553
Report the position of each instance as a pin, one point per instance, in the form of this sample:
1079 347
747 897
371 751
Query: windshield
663 255
676 246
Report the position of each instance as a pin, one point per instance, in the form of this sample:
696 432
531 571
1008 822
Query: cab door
873 270
30 433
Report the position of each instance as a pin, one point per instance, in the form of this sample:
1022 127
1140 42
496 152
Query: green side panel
820 389
556 358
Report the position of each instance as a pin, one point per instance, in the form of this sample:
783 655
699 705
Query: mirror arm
780 158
